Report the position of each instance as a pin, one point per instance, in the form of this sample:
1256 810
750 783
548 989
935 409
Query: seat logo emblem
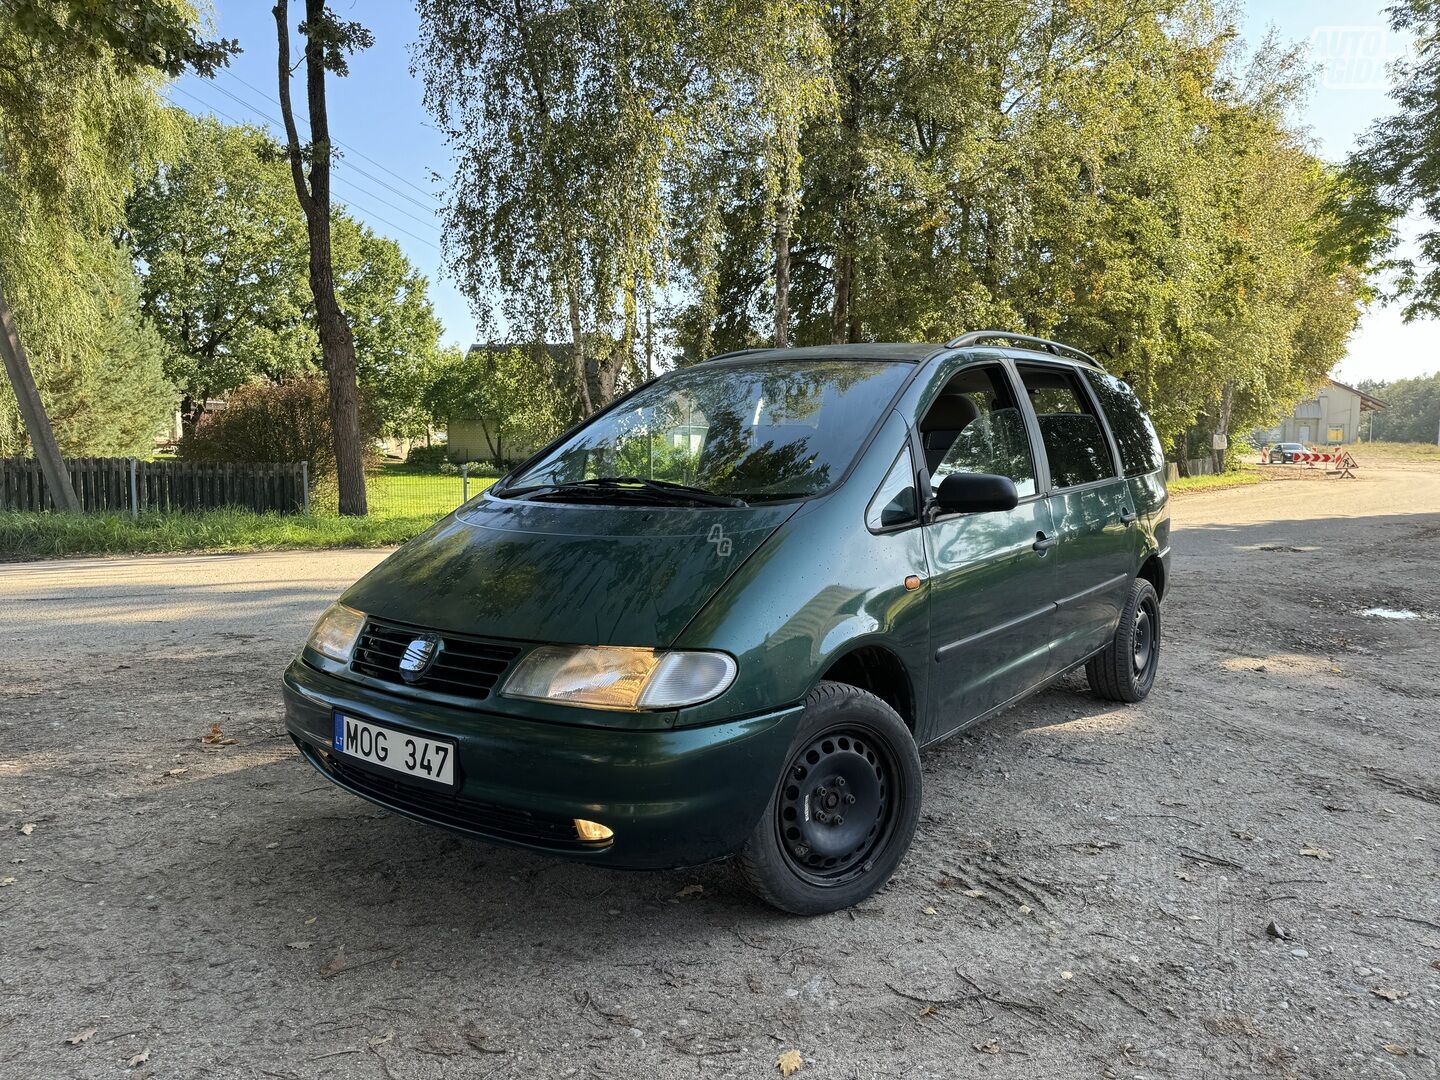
419 655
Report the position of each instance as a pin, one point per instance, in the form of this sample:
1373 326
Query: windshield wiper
631 486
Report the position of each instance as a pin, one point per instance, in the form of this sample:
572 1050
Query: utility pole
32 409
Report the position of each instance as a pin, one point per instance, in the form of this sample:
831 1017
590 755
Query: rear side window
1075 442
1140 449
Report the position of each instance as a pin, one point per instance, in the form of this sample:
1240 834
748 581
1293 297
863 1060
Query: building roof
1368 402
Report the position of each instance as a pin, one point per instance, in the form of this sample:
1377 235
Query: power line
342 179
369 213
356 168
270 97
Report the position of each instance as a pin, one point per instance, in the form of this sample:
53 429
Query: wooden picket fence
128 485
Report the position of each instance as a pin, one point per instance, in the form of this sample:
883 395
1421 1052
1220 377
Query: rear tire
844 810
1125 670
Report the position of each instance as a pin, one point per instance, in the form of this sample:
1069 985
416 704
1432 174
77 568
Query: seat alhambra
721 617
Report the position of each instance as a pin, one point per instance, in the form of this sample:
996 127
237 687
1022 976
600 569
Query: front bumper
675 797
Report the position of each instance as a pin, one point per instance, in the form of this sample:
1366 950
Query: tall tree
223 254
77 115
328 41
1399 157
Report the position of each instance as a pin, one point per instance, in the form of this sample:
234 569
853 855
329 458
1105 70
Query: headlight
607 677
334 635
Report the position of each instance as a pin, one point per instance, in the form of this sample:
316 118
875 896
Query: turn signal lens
336 632
626 679
592 830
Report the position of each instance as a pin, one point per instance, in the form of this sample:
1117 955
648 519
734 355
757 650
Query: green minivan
722 616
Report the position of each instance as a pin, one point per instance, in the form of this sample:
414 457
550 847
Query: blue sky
395 165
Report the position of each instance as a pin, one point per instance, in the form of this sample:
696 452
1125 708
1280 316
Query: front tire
844 810
1125 670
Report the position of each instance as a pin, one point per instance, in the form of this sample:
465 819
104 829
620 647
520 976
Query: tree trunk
1227 407
32 410
577 346
336 341
782 275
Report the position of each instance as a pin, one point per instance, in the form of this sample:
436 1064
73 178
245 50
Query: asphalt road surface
1238 877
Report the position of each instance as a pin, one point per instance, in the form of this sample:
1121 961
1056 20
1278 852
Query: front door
992 587
1090 505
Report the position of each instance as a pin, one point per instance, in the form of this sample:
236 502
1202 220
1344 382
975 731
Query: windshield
779 429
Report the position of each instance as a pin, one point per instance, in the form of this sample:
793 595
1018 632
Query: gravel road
1239 877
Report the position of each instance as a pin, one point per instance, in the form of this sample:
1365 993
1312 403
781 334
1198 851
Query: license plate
413 755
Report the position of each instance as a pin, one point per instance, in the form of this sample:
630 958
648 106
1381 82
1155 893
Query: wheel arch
877 668
1153 571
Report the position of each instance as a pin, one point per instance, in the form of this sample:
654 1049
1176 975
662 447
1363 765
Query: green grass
1394 451
400 510
1238 477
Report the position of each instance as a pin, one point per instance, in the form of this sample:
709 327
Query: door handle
1128 517
1044 543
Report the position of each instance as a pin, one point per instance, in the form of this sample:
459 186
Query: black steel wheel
845 808
1125 670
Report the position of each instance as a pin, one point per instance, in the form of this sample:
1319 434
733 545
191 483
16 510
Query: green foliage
427 457
77 119
222 248
1396 169
271 422
139 35
1413 413
1109 173
28 536
514 390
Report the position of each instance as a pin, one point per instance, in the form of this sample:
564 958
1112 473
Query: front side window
895 502
975 426
1140 449
1074 439
768 430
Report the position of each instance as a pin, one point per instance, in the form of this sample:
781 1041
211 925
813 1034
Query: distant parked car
1284 453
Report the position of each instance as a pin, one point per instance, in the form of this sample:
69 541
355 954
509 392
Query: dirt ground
1237 878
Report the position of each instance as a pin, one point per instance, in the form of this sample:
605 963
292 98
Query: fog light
592 830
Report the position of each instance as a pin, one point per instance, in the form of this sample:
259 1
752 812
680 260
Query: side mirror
974 493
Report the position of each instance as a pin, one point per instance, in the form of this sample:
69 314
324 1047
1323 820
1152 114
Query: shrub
432 456
287 421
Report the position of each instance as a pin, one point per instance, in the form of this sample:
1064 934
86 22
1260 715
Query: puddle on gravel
1389 613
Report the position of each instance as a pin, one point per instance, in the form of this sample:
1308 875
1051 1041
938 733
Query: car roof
903 352
911 353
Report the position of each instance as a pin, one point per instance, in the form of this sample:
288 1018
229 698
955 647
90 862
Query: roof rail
734 353
975 337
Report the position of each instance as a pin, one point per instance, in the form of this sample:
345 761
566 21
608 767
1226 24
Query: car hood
568 574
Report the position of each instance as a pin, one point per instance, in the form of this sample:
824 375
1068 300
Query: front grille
454 811
464 667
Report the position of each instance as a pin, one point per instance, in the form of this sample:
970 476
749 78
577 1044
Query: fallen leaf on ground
1316 853
691 890
6 881
976 893
1275 930
298 944
139 1059
81 1036
27 828
381 1040
789 1062
929 1010
1067 974
1024 909
928 910
311 920
335 965
176 772
988 1047
1396 1049
1390 995
216 737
